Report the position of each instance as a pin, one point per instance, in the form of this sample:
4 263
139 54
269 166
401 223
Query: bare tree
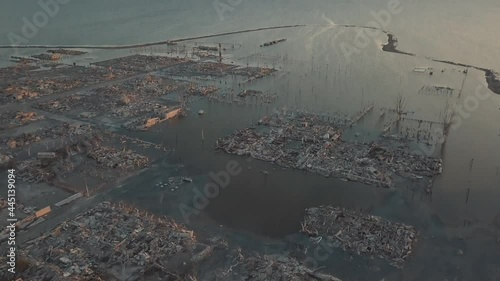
447 116
400 105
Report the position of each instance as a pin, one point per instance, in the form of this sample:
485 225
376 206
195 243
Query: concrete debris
361 233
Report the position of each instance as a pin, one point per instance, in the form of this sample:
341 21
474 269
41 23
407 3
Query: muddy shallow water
263 211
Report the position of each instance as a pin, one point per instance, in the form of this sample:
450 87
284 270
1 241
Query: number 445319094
11 193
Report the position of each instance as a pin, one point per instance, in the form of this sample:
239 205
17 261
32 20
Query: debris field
131 103
47 82
141 63
118 242
360 233
12 119
305 141
84 161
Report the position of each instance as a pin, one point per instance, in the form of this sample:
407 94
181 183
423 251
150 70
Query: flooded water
263 211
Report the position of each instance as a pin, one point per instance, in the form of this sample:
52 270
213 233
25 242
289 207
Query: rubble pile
307 142
114 242
196 90
20 93
251 71
6 161
31 269
141 63
80 156
33 171
67 52
270 268
65 104
133 99
58 80
22 140
252 97
26 117
11 73
117 159
100 100
201 69
59 131
248 93
360 233
152 85
12 119
48 57
138 108
208 48
205 55
274 42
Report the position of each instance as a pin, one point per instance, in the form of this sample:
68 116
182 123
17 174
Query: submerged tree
400 105
447 116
